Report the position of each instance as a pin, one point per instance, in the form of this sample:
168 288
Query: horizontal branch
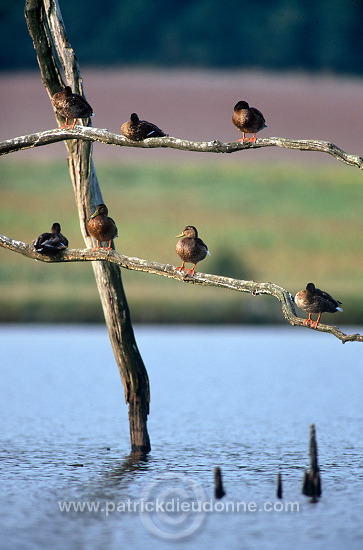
104 136
166 270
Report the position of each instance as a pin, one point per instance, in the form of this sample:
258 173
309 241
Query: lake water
239 398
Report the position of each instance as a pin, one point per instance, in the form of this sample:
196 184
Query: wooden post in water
56 57
311 482
218 484
279 485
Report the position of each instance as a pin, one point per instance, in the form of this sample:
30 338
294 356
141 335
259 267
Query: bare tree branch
104 136
166 270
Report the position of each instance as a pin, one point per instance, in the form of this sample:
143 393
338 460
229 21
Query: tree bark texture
56 57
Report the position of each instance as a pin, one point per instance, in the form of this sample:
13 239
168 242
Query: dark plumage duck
314 300
248 120
190 249
102 227
138 130
51 243
71 106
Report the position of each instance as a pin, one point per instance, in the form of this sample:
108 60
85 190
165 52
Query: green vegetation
308 35
266 222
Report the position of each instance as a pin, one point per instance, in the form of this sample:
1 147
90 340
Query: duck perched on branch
51 243
71 106
248 120
102 227
190 249
314 300
138 130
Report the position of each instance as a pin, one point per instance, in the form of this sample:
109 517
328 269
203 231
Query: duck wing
63 240
52 245
77 105
327 297
113 223
41 239
148 129
202 243
258 114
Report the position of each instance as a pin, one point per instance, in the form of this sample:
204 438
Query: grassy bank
285 224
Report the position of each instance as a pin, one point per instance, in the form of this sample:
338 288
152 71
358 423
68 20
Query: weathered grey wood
166 270
100 135
34 15
55 56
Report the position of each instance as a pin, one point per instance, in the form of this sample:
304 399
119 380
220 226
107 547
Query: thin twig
215 146
166 270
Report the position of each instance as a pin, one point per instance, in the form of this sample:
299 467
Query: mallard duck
138 130
102 227
248 120
314 300
51 243
71 106
190 249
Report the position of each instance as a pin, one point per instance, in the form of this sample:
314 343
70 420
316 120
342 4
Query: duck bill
178 236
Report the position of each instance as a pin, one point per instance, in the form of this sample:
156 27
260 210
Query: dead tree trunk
56 57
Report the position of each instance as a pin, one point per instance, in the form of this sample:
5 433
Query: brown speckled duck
52 243
248 120
314 300
102 227
138 130
190 249
71 106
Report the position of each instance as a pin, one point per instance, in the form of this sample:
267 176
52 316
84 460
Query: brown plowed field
196 106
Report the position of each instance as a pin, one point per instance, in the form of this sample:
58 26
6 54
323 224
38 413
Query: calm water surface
239 398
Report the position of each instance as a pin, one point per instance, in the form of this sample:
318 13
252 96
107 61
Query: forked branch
104 136
166 270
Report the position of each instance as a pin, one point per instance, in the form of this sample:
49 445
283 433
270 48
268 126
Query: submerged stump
218 484
312 482
279 485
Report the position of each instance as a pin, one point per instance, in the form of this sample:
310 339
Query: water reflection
135 462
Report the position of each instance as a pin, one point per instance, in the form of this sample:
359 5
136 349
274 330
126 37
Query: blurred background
289 217
319 35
